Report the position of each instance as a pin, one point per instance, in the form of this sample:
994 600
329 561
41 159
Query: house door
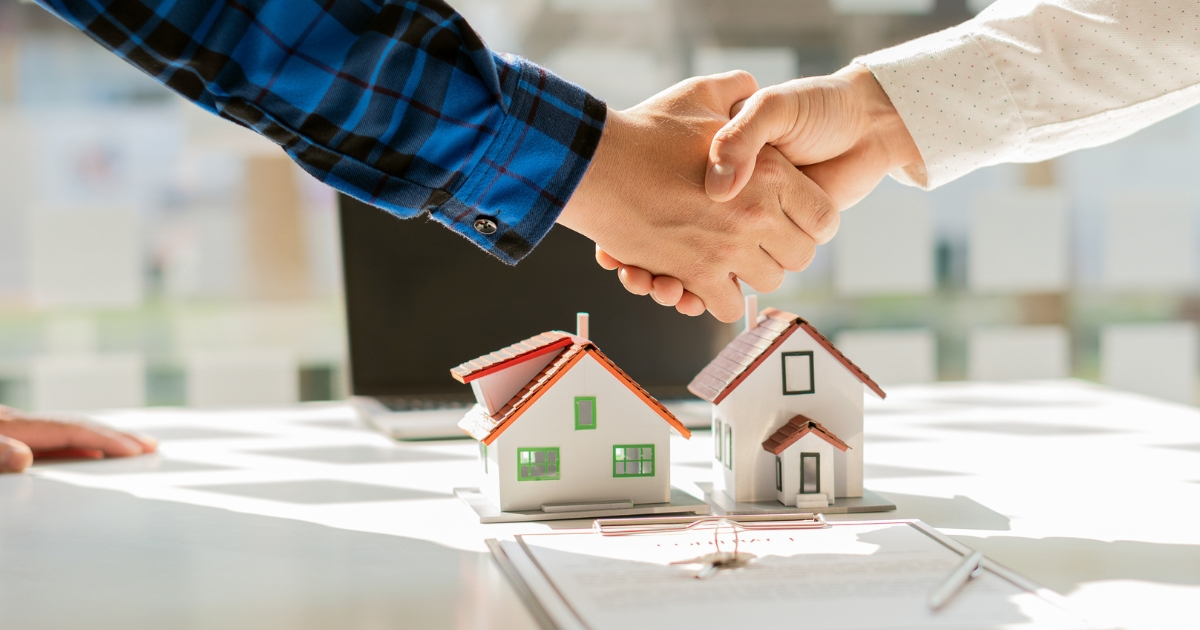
810 473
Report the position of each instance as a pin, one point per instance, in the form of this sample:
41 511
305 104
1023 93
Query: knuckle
722 82
723 251
807 255
769 102
773 171
826 220
774 280
740 76
731 142
802 256
696 84
770 98
755 209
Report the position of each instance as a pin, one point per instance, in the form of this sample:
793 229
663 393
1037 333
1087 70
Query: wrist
885 125
584 208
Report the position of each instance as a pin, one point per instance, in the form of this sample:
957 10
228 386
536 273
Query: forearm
399 104
1028 81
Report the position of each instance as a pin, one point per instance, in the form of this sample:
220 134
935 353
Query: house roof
797 428
487 427
542 344
748 350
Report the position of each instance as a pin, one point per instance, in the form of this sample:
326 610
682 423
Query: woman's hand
24 437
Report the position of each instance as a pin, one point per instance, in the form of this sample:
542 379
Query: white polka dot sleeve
1028 80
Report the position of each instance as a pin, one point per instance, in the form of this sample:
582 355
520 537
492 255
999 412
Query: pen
971 567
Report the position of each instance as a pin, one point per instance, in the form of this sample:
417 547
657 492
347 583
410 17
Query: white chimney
581 325
751 312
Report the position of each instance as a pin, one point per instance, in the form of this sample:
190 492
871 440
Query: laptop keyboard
408 403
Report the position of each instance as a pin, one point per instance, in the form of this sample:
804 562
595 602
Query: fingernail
150 441
14 457
719 180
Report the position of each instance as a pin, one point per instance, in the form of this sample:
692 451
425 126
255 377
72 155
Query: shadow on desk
82 557
958 512
1058 562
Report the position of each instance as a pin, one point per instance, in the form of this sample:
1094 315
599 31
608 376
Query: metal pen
971 567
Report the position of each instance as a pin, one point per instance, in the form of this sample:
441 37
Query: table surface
300 518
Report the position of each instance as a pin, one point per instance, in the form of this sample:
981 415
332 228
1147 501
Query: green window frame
633 460
589 408
483 455
540 463
716 439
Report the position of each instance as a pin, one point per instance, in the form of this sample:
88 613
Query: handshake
714 182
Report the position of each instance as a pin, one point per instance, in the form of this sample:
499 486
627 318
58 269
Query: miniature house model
559 423
787 414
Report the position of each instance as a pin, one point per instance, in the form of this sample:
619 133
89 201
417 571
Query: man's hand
22 437
643 202
841 130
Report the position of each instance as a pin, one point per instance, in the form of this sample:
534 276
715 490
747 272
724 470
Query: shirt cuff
954 103
511 198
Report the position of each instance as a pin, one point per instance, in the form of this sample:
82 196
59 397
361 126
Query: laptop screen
421 300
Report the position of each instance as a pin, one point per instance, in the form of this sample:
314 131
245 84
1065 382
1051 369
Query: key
713 563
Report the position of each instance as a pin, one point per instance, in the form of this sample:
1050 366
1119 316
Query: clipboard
808 573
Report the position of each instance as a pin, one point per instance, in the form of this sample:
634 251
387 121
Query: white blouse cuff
954 103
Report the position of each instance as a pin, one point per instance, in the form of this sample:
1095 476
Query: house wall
723 480
791 468
490 486
757 408
495 390
586 455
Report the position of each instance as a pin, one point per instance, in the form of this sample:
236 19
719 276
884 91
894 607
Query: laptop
421 300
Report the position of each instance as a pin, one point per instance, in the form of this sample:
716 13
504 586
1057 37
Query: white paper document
858 576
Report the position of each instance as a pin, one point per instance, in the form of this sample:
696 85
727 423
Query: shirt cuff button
485 225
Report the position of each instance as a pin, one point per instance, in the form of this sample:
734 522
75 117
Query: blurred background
151 254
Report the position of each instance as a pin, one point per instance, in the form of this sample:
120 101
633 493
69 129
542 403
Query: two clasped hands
714 181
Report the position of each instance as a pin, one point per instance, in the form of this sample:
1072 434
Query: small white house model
560 424
787 414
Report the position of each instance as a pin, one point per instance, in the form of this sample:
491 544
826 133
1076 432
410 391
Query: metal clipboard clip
746 522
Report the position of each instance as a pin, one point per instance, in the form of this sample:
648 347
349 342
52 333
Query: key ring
717 535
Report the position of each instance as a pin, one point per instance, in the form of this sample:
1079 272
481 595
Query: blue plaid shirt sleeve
395 102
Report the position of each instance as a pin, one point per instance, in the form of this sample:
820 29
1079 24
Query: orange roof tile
486 428
797 428
544 343
748 350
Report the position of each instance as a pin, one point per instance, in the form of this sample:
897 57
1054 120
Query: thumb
764 118
14 455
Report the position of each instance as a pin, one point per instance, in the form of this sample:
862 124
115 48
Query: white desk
299 519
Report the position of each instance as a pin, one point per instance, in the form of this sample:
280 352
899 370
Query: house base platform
681 503
723 505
